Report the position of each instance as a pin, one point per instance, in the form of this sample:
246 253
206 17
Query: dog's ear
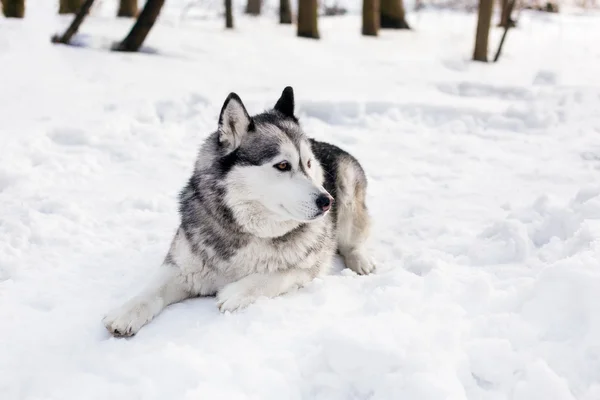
234 122
285 104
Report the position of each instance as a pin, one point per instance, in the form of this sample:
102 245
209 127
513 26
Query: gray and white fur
258 216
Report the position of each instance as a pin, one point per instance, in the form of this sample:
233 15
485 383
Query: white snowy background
484 189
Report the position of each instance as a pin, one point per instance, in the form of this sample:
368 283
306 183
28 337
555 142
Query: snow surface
484 191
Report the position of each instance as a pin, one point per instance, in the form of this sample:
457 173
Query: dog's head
270 172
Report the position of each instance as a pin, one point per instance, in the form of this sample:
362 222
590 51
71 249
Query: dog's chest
301 248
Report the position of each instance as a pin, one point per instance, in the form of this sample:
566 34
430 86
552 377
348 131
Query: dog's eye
283 166
308 163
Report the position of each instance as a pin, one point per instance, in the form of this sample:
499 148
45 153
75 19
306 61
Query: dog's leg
247 290
353 223
168 287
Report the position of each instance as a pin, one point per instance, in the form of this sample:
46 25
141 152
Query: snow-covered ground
484 189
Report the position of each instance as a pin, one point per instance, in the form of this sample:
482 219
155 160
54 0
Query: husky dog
258 216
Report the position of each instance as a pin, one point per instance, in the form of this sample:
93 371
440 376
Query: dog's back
346 181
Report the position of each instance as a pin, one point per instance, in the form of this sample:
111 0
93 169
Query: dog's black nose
324 202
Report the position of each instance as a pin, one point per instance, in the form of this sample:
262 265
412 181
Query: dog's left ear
234 122
285 104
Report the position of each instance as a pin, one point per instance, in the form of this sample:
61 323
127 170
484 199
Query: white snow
484 189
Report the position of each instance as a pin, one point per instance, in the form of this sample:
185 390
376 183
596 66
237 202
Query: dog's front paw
235 296
360 263
128 319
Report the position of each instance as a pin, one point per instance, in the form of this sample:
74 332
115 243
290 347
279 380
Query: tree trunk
285 12
228 14
484 19
505 19
370 17
392 14
142 27
307 19
13 8
127 8
253 7
509 9
69 6
503 16
72 29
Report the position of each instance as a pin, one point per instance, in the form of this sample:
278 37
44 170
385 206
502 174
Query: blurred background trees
253 7
127 8
308 19
504 14
376 15
13 8
285 12
228 14
484 20
392 14
66 37
69 6
370 17
142 26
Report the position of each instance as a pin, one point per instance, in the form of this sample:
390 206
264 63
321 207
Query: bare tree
285 12
228 14
127 8
13 8
505 18
370 17
509 10
253 7
551 6
484 19
392 14
141 28
69 6
307 19
65 38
